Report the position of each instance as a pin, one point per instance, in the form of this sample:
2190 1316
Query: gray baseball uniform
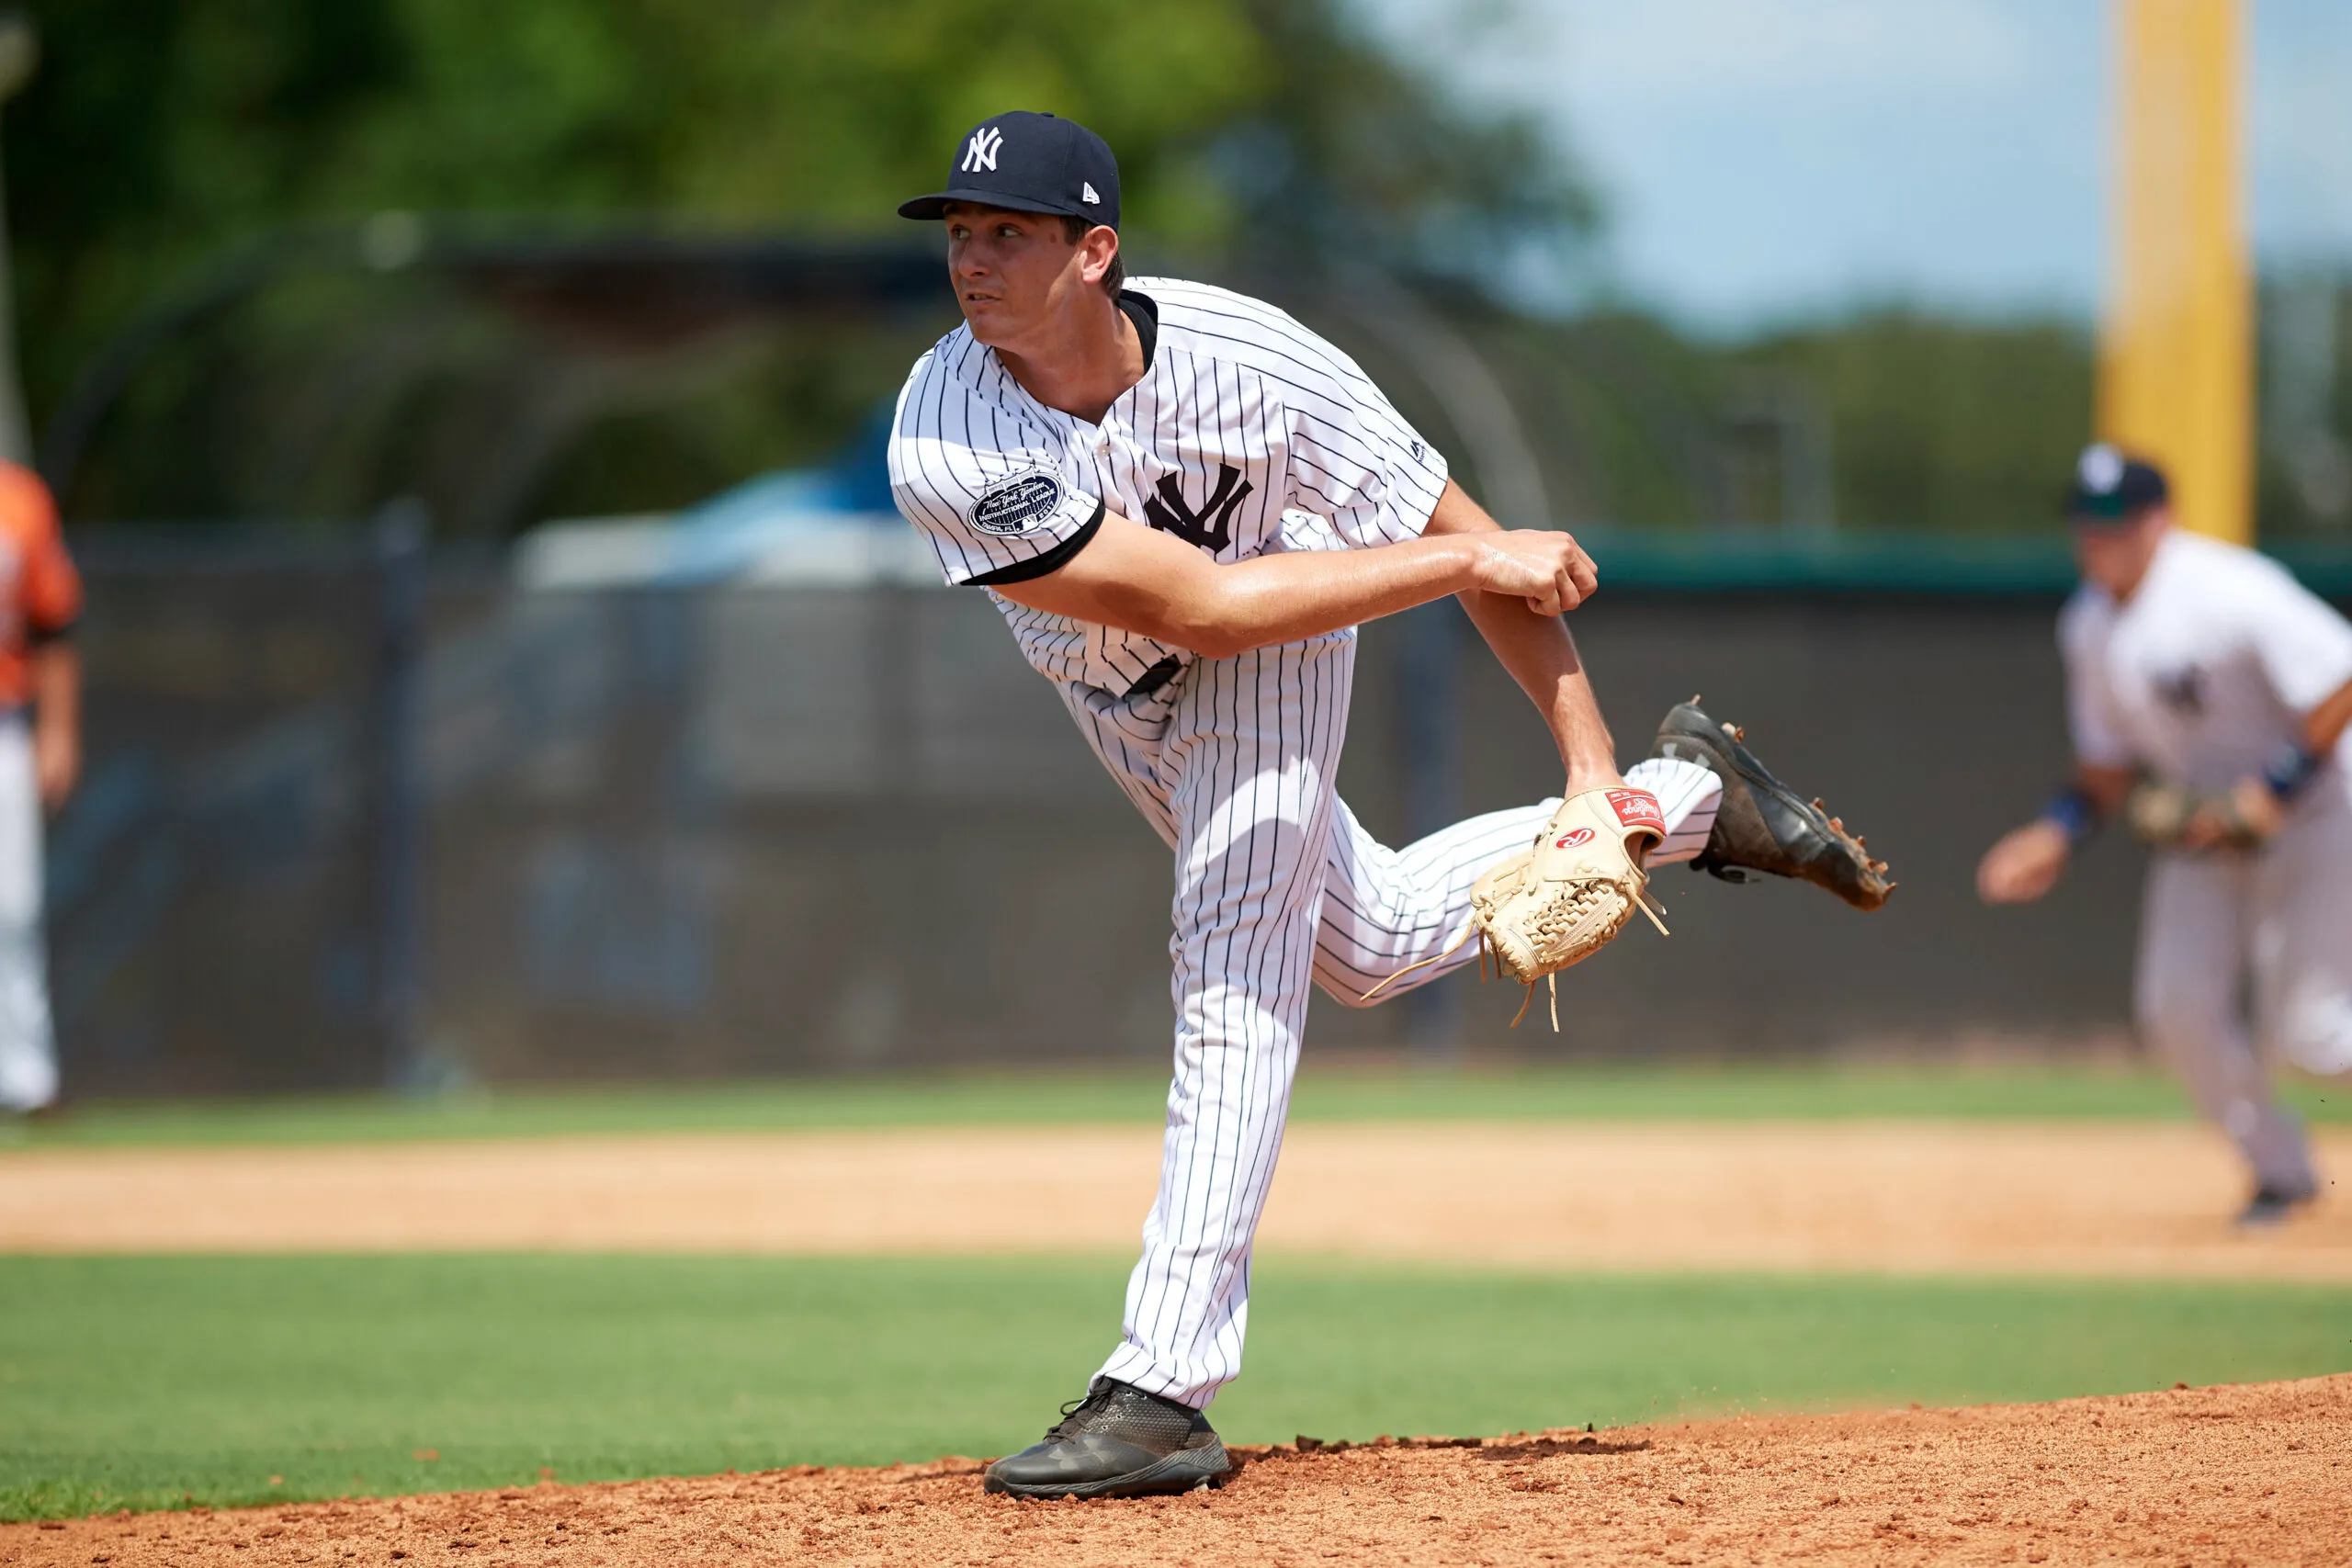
2200 677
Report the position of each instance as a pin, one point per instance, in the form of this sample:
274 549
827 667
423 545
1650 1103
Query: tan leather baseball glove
2160 814
1563 898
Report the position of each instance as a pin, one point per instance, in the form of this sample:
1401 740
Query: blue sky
1767 158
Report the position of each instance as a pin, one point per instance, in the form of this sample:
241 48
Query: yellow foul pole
2175 355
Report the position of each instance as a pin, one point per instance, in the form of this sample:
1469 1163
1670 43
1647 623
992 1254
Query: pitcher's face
1011 269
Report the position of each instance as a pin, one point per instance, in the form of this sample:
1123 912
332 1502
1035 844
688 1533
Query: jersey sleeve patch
1019 505
986 483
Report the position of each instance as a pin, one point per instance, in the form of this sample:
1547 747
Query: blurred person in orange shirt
41 753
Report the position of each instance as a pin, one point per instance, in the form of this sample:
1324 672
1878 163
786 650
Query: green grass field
1325 1093
145 1382
148 1381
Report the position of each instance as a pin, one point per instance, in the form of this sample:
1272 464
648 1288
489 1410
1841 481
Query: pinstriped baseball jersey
1241 417
1247 434
2206 670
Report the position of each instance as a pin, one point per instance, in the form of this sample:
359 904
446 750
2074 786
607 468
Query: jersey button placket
1118 467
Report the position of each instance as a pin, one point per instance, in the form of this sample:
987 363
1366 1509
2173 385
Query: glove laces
1642 900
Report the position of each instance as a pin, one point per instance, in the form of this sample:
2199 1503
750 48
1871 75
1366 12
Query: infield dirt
2147 1199
2258 1473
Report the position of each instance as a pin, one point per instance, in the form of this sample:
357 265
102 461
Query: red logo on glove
1572 837
1637 808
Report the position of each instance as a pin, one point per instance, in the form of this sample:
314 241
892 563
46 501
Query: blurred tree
1351 156
160 132
2304 477
1936 423
1271 136
1906 420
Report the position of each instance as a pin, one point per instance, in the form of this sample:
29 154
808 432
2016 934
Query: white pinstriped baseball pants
2272 929
27 1049
1277 888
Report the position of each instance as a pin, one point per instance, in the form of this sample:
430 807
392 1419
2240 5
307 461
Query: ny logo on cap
2100 469
981 150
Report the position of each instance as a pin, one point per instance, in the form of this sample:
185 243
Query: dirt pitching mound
2258 1474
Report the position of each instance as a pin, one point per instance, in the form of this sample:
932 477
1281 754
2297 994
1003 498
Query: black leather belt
1158 675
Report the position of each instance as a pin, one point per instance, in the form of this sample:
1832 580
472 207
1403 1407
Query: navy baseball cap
1030 163
2111 486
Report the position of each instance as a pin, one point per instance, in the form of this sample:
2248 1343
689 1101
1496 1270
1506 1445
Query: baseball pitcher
1184 504
2207 694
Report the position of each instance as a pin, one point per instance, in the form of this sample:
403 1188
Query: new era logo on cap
1030 163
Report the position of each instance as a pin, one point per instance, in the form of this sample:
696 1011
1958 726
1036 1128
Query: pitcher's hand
1546 568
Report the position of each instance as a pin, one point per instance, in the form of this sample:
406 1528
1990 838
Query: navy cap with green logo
2112 486
1030 163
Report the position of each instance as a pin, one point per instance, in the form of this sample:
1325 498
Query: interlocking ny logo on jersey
981 150
1168 512
2183 691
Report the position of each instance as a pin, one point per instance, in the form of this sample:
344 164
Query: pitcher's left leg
1248 756
1251 754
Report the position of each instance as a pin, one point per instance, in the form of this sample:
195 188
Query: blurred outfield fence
358 813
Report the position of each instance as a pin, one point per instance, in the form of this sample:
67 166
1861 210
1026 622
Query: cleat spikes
1761 824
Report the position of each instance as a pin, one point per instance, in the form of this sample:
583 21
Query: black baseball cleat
1116 1442
1761 824
2273 1205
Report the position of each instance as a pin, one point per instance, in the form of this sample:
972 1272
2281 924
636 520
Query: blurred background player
2211 670
41 752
